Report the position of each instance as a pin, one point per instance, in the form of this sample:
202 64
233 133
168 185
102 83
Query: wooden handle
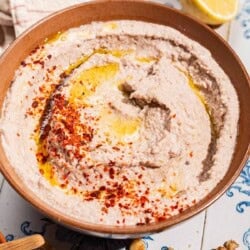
2 238
28 243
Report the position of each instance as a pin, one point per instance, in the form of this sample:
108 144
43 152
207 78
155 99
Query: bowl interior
133 10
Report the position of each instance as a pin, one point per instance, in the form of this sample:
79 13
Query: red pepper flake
140 224
112 202
87 137
18 134
23 63
111 163
111 196
191 154
34 104
41 171
124 178
89 199
102 188
42 89
104 209
85 175
95 194
143 200
116 148
63 75
34 50
115 185
126 206
39 62
49 56
181 210
160 218
44 159
174 207
120 191
65 176
74 190
148 211
63 185
111 173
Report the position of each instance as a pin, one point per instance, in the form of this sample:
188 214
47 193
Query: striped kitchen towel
27 12
6 25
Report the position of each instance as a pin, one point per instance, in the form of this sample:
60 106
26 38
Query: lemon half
211 11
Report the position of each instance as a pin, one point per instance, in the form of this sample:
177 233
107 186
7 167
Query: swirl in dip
120 123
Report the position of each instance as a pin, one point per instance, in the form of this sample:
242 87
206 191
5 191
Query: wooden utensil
2 238
30 242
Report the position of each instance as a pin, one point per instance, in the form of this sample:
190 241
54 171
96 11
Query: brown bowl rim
16 182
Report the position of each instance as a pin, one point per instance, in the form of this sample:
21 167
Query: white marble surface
228 218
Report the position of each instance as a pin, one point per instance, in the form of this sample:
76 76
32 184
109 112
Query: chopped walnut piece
137 244
229 245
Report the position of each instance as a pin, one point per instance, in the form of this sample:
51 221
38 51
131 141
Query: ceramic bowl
133 10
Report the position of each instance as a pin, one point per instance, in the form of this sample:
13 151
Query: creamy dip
120 123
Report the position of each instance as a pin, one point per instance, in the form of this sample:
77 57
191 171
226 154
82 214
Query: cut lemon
211 11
